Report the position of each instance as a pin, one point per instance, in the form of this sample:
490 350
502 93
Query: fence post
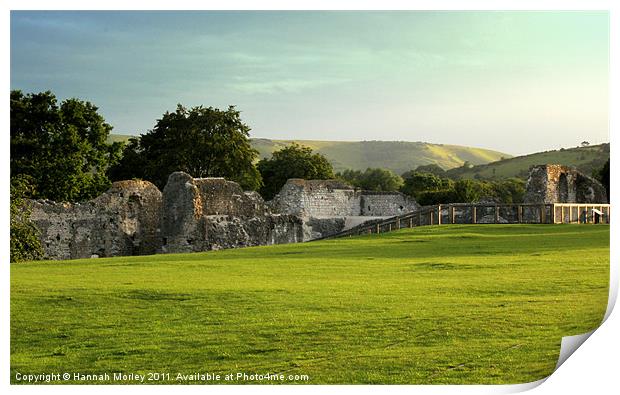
496 219
473 214
378 228
411 222
543 214
430 217
552 213
520 213
439 214
452 215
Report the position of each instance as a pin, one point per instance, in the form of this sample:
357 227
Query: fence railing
483 213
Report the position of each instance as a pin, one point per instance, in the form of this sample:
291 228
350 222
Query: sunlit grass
444 304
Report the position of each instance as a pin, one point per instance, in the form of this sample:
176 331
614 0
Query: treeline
59 152
428 188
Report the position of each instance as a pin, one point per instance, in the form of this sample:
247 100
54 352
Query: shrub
25 243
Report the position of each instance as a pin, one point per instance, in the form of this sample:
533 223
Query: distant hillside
584 158
398 156
113 138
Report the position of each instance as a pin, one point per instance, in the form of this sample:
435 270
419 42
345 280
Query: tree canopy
372 179
430 189
293 161
431 168
603 177
61 148
201 141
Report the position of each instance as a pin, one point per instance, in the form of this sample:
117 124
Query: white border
594 367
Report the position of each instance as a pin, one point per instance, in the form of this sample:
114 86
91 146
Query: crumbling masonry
562 184
200 214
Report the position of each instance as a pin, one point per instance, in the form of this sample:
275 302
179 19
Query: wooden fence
464 213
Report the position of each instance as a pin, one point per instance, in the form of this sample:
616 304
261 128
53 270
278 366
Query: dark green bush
25 243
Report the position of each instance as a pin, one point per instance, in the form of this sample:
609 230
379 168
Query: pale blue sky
512 81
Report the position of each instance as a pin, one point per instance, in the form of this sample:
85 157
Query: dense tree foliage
381 180
293 161
61 148
602 175
203 142
431 168
25 244
430 189
416 182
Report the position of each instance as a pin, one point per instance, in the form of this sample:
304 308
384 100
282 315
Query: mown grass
448 304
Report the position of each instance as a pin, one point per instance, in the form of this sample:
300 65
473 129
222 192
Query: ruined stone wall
332 198
386 204
201 214
122 221
562 184
317 198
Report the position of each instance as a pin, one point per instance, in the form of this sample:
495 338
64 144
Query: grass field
443 304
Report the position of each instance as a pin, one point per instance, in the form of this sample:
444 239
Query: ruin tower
562 184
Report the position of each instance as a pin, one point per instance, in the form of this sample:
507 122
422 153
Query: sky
516 82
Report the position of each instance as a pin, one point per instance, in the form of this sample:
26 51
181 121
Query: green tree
511 190
372 179
293 161
467 191
380 180
350 176
25 243
203 142
431 168
416 183
603 177
61 148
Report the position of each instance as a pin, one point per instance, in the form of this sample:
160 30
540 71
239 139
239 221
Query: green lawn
443 304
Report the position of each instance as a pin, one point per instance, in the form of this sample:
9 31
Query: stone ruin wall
122 221
201 214
562 184
198 214
317 198
135 218
326 206
332 198
382 204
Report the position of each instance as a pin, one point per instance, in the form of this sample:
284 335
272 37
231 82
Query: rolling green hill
398 156
113 138
463 304
585 159
401 156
